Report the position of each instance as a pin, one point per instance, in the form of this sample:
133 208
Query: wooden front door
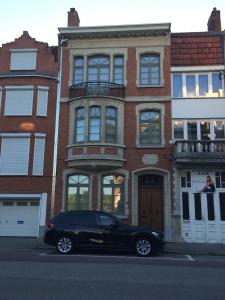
150 201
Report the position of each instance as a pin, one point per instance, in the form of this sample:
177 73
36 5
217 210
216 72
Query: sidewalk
170 247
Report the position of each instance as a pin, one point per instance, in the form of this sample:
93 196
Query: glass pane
77 198
198 207
216 83
95 111
210 205
177 85
203 85
219 129
107 204
178 129
190 85
118 60
222 206
78 61
185 201
205 130
192 130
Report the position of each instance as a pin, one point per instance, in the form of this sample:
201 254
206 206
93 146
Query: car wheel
64 245
143 247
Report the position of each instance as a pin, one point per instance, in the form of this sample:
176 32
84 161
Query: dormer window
23 59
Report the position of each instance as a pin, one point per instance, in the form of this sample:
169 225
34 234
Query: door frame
166 196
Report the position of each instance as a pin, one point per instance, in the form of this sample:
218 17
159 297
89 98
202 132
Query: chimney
73 18
214 22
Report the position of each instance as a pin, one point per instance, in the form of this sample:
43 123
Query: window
220 179
14 155
186 179
78 70
39 155
198 207
110 124
177 86
150 69
178 129
219 129
78 192
95 123
192 130
113 196
210 207
23 59
197 85
104 220
42 101
150 127
80 125
98 68
205 130
222 206
185 206
19 101
118 69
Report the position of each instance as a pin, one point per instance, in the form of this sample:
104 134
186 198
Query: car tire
143 247
64 245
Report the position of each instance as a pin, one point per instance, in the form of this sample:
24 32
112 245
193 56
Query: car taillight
50 225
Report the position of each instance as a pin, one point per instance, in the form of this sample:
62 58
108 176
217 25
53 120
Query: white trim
43 209
20 196
19 87
23 50
6 134
0 98
197 68
40 135
43 88
117 28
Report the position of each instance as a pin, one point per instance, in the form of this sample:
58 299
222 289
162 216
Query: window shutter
42 103
39 153
23 60
19 102
14 156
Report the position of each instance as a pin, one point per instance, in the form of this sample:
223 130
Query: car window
104 220
76 218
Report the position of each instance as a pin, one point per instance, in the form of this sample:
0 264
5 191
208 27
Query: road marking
190 257
187 257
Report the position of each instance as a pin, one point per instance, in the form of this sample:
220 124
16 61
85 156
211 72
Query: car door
112 232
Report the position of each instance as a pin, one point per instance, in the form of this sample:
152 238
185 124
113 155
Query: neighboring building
28 88
198 113
115 122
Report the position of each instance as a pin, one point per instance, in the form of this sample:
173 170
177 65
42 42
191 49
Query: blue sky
41 18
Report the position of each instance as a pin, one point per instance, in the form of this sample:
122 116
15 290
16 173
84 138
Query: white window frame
39 154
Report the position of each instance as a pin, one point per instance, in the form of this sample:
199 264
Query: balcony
97 88
200 152
97 157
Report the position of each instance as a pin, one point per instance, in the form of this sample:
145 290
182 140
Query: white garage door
19 218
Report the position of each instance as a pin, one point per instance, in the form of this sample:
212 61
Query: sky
41 18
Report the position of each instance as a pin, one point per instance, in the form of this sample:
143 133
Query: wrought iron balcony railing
200 148
97 88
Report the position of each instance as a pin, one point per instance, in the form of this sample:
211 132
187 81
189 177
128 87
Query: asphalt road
46 275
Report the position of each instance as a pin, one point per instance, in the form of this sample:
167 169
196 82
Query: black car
99 230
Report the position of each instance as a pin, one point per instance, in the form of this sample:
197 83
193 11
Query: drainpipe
56 136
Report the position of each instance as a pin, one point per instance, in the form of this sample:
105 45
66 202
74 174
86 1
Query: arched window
77 192
113 195
150 127
95 123
80 125
110 124
98 68
150 69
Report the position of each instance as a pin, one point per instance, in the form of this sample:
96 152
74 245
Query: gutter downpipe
56 136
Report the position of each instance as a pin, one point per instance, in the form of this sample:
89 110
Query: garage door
19 218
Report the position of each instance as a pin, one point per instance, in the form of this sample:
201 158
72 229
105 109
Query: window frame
90 127
115 120
150 123
149 67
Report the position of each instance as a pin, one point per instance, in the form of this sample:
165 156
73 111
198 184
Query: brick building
198 113
28 88
115 122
